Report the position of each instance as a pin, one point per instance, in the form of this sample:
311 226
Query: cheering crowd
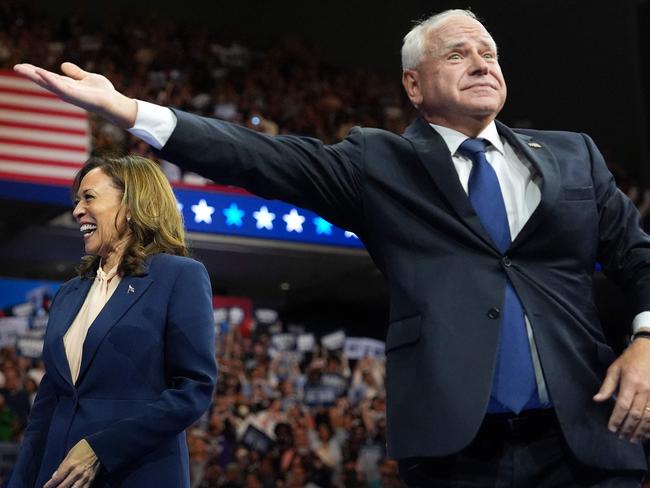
266 428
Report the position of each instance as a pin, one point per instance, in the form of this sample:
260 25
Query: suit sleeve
299 170
190 364
624 248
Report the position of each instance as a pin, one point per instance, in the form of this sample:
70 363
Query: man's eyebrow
487 42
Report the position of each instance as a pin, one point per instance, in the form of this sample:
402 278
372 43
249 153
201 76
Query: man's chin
484 109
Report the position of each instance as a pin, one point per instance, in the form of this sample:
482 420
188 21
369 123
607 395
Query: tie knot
472 147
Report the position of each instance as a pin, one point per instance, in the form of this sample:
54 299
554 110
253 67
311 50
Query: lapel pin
534 144
131 289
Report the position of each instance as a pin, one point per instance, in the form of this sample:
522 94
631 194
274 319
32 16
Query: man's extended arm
298 170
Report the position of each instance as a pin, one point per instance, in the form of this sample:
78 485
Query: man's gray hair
415 42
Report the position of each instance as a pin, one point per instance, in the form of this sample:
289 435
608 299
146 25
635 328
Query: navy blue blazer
148 372
401 195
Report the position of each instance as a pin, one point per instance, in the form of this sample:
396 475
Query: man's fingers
50 81
73 71
609 386
633 417
642 432
619 413
27 70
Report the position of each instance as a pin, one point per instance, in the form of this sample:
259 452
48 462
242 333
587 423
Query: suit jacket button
493 313
506 261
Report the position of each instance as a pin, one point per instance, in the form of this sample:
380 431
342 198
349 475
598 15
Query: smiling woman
101 216
126 211
129 346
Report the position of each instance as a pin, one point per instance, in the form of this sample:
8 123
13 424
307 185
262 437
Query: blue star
234 215
322 226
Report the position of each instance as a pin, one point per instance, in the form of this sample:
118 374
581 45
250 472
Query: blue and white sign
248 216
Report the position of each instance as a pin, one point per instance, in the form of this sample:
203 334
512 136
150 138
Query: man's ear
411 83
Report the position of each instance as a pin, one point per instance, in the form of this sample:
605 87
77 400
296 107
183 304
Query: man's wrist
641 334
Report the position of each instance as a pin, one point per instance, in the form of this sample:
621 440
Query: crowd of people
282 88
265 427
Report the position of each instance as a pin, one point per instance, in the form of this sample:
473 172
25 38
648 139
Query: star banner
217 210
246 215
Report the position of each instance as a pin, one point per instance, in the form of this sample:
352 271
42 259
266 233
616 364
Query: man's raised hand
90 91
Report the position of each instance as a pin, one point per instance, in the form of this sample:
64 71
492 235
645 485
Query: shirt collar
454 139
103 276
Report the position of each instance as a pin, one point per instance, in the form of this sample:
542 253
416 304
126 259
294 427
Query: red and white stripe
41 137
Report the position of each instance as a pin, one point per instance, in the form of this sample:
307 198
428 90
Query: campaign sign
256 440
315 396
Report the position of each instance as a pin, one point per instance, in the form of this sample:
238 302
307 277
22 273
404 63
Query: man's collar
454 139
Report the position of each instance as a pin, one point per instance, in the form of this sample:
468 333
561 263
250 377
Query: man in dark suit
498 373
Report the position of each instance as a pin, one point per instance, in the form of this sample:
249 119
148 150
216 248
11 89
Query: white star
203 212
294 221
264 218
349 234
180 206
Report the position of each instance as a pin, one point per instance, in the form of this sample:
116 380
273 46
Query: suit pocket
578 192
403 332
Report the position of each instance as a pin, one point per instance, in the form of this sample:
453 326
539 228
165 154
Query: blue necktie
514 384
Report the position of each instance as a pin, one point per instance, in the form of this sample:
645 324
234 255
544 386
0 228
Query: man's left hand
77 470
629 378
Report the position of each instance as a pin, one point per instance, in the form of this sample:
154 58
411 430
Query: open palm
90 91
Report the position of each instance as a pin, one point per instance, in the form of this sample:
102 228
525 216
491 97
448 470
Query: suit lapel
67 308
434 154
127 293
545 163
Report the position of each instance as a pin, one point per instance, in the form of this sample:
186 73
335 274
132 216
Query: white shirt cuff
153 124
641 321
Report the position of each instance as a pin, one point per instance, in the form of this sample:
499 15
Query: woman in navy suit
129 347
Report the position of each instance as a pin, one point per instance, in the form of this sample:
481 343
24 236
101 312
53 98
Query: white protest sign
333 341
361 347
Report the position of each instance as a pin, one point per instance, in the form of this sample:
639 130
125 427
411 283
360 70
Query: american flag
42 139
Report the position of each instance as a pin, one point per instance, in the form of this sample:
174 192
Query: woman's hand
90 91
77 470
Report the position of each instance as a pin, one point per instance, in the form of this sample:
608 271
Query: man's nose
479 65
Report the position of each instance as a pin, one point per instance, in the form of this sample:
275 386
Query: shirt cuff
153 124
641 321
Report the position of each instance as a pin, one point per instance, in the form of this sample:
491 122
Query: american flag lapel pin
131 289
